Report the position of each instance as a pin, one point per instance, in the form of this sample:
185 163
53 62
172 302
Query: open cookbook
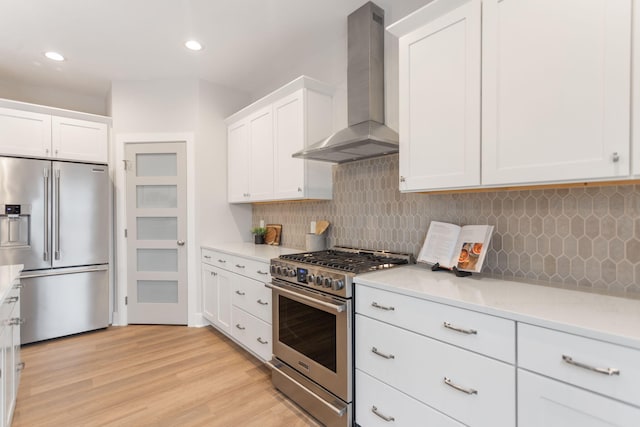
448 246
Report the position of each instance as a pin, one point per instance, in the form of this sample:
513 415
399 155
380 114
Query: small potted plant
258 235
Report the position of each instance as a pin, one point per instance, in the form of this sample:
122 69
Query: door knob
180 242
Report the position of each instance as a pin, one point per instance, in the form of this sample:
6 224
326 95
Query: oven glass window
309 331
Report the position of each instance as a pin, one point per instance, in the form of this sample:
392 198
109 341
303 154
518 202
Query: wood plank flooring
148 375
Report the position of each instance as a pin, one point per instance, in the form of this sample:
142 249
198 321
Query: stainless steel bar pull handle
262 272
207 256
459 329
240 266
385 355
15 321
240 293
239 326
46 215
261 341
466 390
336 308
387 418
382 307
223 261
57 195
262 302
605 371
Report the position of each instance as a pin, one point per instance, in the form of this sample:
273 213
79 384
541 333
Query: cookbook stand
458 273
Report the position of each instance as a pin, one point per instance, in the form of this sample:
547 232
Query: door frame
120 317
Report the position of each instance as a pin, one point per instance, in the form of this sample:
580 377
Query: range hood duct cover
367 136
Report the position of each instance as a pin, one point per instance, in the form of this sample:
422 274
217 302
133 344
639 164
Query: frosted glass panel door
156 232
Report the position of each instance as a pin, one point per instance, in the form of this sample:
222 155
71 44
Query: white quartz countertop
262 253
8 275
608 318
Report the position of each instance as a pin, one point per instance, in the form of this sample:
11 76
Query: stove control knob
291 272
273 269
311 278
337 285
319 280
279 270
328 281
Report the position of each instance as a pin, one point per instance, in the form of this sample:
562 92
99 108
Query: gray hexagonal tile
577 226
608 271
616 250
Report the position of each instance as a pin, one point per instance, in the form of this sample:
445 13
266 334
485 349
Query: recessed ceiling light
193 45
54 56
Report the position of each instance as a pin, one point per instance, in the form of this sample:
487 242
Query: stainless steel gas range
313 327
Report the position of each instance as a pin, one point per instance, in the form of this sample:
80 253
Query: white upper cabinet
261 154
301 119
73 139
24 133
37 134
263 136
517 92
250 161
635 161
289 131
555 90
238 162
439 83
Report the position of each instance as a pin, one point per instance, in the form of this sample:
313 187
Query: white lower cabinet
216 296
236 301
253 333
471 388
543 402
411 370
381 405
10 364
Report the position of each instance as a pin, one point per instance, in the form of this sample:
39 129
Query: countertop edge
575 328
261 253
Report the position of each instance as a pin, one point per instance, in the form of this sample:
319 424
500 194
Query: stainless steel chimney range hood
367 136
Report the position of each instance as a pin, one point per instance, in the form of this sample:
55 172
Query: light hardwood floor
146 375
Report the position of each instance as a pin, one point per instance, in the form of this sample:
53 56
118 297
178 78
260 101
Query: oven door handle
337 308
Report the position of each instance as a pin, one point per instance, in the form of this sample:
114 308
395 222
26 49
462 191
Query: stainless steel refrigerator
54 219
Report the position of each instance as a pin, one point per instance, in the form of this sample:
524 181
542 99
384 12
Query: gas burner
332 271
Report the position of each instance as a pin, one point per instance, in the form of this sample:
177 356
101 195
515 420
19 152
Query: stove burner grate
353 261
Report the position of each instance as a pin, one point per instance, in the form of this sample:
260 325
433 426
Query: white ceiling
250 45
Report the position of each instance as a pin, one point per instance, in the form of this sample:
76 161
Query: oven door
312 333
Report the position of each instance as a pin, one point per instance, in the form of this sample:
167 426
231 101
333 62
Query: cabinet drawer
543 402
8 305
253 297
252 333
251 268
482 333
471 388
219 259
547 351
377 400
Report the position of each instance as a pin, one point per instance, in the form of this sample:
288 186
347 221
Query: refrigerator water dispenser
15 221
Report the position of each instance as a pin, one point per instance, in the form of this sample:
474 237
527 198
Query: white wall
190 110
52 97
217 220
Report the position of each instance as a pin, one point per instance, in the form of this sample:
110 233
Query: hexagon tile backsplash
578 237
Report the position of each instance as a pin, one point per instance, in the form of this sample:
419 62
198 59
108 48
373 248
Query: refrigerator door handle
46 214
57 202
62 271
